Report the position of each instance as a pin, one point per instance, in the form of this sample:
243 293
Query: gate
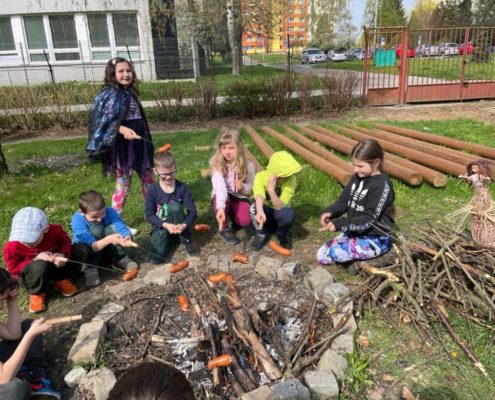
412 66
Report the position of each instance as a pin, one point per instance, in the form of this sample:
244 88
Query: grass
50 175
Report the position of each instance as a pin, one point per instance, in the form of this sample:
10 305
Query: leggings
123 186
344 248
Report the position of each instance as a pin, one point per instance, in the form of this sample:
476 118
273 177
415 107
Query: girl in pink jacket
232 176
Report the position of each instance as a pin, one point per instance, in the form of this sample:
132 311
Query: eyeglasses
166 175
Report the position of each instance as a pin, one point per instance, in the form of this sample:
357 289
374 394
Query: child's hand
239 185
38 327
325 218
128 133
180 228
260 218
115 239
45 256
127 242
272 183
13 294
59 260
169 227
220 217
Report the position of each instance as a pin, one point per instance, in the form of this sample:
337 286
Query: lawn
50 175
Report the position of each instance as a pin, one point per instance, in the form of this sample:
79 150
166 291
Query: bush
304 86
205 99
280 90
168 100
338 90
249 99
60 98
24 105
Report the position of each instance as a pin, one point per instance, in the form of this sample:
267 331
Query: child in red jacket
34 255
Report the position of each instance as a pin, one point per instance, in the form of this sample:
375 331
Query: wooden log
240 374
479 149
435 178
414 155
264 147
257 165
391 165
320 163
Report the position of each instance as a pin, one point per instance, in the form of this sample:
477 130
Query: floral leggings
123 186
344 248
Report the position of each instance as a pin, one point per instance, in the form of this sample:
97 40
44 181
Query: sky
357 10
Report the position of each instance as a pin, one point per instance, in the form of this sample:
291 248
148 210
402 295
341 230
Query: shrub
304 86
60 98
205 99
280 91
24 105
168 100
338 90
249 99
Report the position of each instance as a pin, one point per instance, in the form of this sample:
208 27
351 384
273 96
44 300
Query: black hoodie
368 203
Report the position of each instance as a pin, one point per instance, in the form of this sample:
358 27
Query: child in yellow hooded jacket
273 189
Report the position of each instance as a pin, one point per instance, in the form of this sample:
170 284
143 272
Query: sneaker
229 236
134 231
285 241
65 287
259 240
191 249
91 277
37 303
127 263
42 390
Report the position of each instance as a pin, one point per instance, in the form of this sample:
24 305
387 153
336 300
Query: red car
398 51
468 46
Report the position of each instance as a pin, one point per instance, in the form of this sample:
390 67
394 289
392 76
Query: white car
312 56
339 55
448 49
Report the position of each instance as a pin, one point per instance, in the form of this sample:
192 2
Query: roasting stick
63 320
138 246
136 136
65 259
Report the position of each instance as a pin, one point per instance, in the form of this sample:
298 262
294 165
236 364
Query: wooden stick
63 320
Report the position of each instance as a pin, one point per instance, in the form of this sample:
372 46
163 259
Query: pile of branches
437 272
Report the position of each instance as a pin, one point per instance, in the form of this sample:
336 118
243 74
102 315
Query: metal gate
412 66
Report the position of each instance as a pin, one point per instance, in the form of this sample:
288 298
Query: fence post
463 65
366 62
24 63
82 61
194 49
403 66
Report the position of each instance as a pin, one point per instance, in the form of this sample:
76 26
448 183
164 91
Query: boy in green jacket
273 189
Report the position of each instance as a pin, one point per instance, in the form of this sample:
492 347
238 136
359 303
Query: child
117 119
273 189
99 236
232 176
22 362
163 382
367 200
478 173
32 256
164 209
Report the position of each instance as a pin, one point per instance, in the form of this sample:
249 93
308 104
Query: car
398 51
312 56
448 49
355 54
425 50
466 46
339 55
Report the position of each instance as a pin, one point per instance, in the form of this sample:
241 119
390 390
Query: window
35 32
98 30
126 29
63 31
6 37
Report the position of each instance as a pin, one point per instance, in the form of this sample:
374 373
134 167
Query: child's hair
91 200
164 160
484 167
110 78
218 162
152 381
7 281
368 150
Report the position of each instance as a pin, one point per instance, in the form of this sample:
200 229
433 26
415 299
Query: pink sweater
223 185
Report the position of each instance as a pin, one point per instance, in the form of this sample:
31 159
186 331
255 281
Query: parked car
433 50
355 54
468 47
339 55
425 50
312 56
448 49
398 51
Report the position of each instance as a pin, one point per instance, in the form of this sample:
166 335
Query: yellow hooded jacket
282 165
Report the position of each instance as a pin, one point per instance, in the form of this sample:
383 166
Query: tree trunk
232 26
4 169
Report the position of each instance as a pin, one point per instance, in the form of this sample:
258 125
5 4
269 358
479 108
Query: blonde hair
240 161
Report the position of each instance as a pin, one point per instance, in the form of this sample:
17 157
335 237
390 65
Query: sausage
221 361
183 302
279 249
220 277
240 258
130 275
179 266
201 227
164 148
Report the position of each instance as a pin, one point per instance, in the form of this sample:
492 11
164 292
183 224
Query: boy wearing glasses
170 209
99 236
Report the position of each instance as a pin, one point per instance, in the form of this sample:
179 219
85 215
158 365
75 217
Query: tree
4 169
391 13
426 15
324 15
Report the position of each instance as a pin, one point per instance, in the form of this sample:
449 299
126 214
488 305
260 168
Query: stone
287 272
267 266
224 262
159 276
343 344
262 393
317 279
322 385
332 362
213 261
350 326
100 382
74 377
108 311
195 262
291 389
333 292
87 345
123 289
